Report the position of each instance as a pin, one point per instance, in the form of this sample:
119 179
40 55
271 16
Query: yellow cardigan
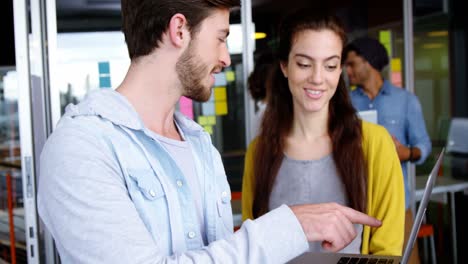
385 191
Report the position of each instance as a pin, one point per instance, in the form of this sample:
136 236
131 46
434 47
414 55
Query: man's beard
191 71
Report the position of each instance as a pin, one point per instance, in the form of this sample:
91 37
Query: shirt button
371 105
224 197
191 234
179 183
152 193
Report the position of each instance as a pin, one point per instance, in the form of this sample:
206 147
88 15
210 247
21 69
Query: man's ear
178 30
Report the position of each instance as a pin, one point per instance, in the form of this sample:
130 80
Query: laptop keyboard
362 260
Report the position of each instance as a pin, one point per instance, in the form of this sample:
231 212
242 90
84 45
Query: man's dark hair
145 21
369 49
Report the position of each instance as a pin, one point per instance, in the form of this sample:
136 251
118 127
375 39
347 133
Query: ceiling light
433 46
443 33
260 35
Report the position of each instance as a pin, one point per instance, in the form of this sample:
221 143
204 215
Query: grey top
311 181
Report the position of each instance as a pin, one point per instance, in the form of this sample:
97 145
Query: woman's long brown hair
344 127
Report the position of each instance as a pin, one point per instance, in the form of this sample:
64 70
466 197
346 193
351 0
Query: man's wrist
410 157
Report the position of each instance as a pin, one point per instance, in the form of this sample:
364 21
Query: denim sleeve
417 133
83 202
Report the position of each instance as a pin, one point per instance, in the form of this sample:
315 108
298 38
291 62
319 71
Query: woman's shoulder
253 143
372 130
374 134
251 148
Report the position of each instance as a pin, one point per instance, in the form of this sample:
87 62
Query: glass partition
12 224
431 75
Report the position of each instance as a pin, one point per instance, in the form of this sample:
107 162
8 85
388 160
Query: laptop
338 258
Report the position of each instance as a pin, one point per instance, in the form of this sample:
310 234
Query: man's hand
331 223
402 150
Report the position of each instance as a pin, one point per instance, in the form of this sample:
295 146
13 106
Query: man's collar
386 88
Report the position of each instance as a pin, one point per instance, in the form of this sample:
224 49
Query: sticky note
220 79
186 107
211 120
208 108
104 67
105 82
220 94
202 120
395 65
208 129
230 76
385 36
396 79
221 108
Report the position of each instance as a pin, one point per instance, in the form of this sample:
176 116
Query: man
398 110
125 179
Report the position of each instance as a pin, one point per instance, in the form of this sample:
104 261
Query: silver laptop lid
422 208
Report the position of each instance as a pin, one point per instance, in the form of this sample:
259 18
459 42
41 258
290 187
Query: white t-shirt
181 152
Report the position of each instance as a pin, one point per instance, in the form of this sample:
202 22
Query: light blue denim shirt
109 193
399 111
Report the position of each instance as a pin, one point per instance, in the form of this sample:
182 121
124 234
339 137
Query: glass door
13 244
22 115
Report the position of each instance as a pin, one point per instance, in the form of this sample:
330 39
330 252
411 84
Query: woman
313 148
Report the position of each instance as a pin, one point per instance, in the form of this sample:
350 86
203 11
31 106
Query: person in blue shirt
398 110
124 178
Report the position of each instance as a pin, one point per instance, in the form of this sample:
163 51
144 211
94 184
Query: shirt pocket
149 199
393 124
147 183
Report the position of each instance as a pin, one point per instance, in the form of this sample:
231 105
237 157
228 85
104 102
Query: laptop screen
422 208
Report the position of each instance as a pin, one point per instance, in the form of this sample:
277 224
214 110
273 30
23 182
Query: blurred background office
53 52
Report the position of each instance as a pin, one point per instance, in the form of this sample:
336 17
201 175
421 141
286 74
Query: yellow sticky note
395 65
220 93
230 76
221 108
208 129
211 120
202 120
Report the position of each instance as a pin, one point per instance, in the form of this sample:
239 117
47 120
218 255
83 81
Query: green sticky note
385 36
202 120
211 120
208 129
230 76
